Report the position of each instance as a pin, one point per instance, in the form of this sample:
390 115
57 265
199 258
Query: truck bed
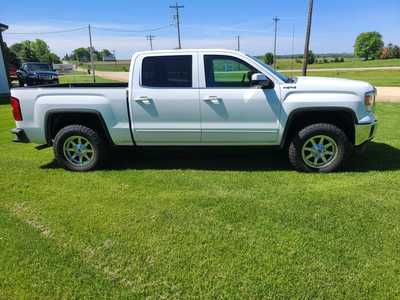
80 85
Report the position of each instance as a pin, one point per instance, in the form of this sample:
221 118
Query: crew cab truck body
199 97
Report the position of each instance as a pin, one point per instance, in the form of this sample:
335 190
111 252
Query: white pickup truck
199 97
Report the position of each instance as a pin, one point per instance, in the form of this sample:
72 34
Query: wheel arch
56 119
343 117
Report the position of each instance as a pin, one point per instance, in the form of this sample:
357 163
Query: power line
128 30
48 32
177 7
308 33
275 19
150 38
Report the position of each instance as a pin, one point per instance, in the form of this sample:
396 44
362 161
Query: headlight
369 100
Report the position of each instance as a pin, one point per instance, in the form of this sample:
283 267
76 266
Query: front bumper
365 132
20 136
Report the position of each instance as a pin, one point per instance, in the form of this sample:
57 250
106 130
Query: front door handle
143 99
213 99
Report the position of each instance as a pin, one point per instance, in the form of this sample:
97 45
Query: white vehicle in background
199 97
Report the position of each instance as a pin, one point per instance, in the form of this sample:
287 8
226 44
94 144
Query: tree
395 52
105 53
311 57
11 57
24 51
81 54
37 50
54 58
368 45
269 58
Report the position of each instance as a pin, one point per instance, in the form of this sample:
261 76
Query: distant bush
311 57
125 69
269 58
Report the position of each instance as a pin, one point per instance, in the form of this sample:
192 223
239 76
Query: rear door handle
143 99
213 99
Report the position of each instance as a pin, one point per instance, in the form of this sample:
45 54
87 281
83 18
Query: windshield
276 73
39 67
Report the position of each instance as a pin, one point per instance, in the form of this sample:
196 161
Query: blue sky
205 24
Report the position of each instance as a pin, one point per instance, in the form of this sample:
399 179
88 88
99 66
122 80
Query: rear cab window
167 71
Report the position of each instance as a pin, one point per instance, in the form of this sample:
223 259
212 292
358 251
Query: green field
376 77
200 223
286 64
80 77
119 66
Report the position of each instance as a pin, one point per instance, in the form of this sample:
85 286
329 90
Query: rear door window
167 71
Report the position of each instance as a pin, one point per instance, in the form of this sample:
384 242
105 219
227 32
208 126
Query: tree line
368 46
39 51
83 55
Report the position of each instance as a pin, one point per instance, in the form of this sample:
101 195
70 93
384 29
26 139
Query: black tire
343 148
97 144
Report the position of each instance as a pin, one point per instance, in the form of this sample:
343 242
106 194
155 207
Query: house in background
110 57
4 87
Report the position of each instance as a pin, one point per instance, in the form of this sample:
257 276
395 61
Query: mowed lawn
375 77
211 223
81 77
286 63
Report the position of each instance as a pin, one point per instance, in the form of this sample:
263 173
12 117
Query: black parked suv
34 73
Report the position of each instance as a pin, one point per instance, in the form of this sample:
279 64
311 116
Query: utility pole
308 33
238 43
91 54
115 58
150 38
275 19
292 64
177 7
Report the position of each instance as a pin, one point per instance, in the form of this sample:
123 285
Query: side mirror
259 79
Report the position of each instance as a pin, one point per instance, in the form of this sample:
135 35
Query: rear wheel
319 148
79 148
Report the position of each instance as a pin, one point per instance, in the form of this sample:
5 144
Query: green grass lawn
120 66
219 223
81 77
375 77
286 64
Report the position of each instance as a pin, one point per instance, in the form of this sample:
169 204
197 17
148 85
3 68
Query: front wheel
319 148
79 148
